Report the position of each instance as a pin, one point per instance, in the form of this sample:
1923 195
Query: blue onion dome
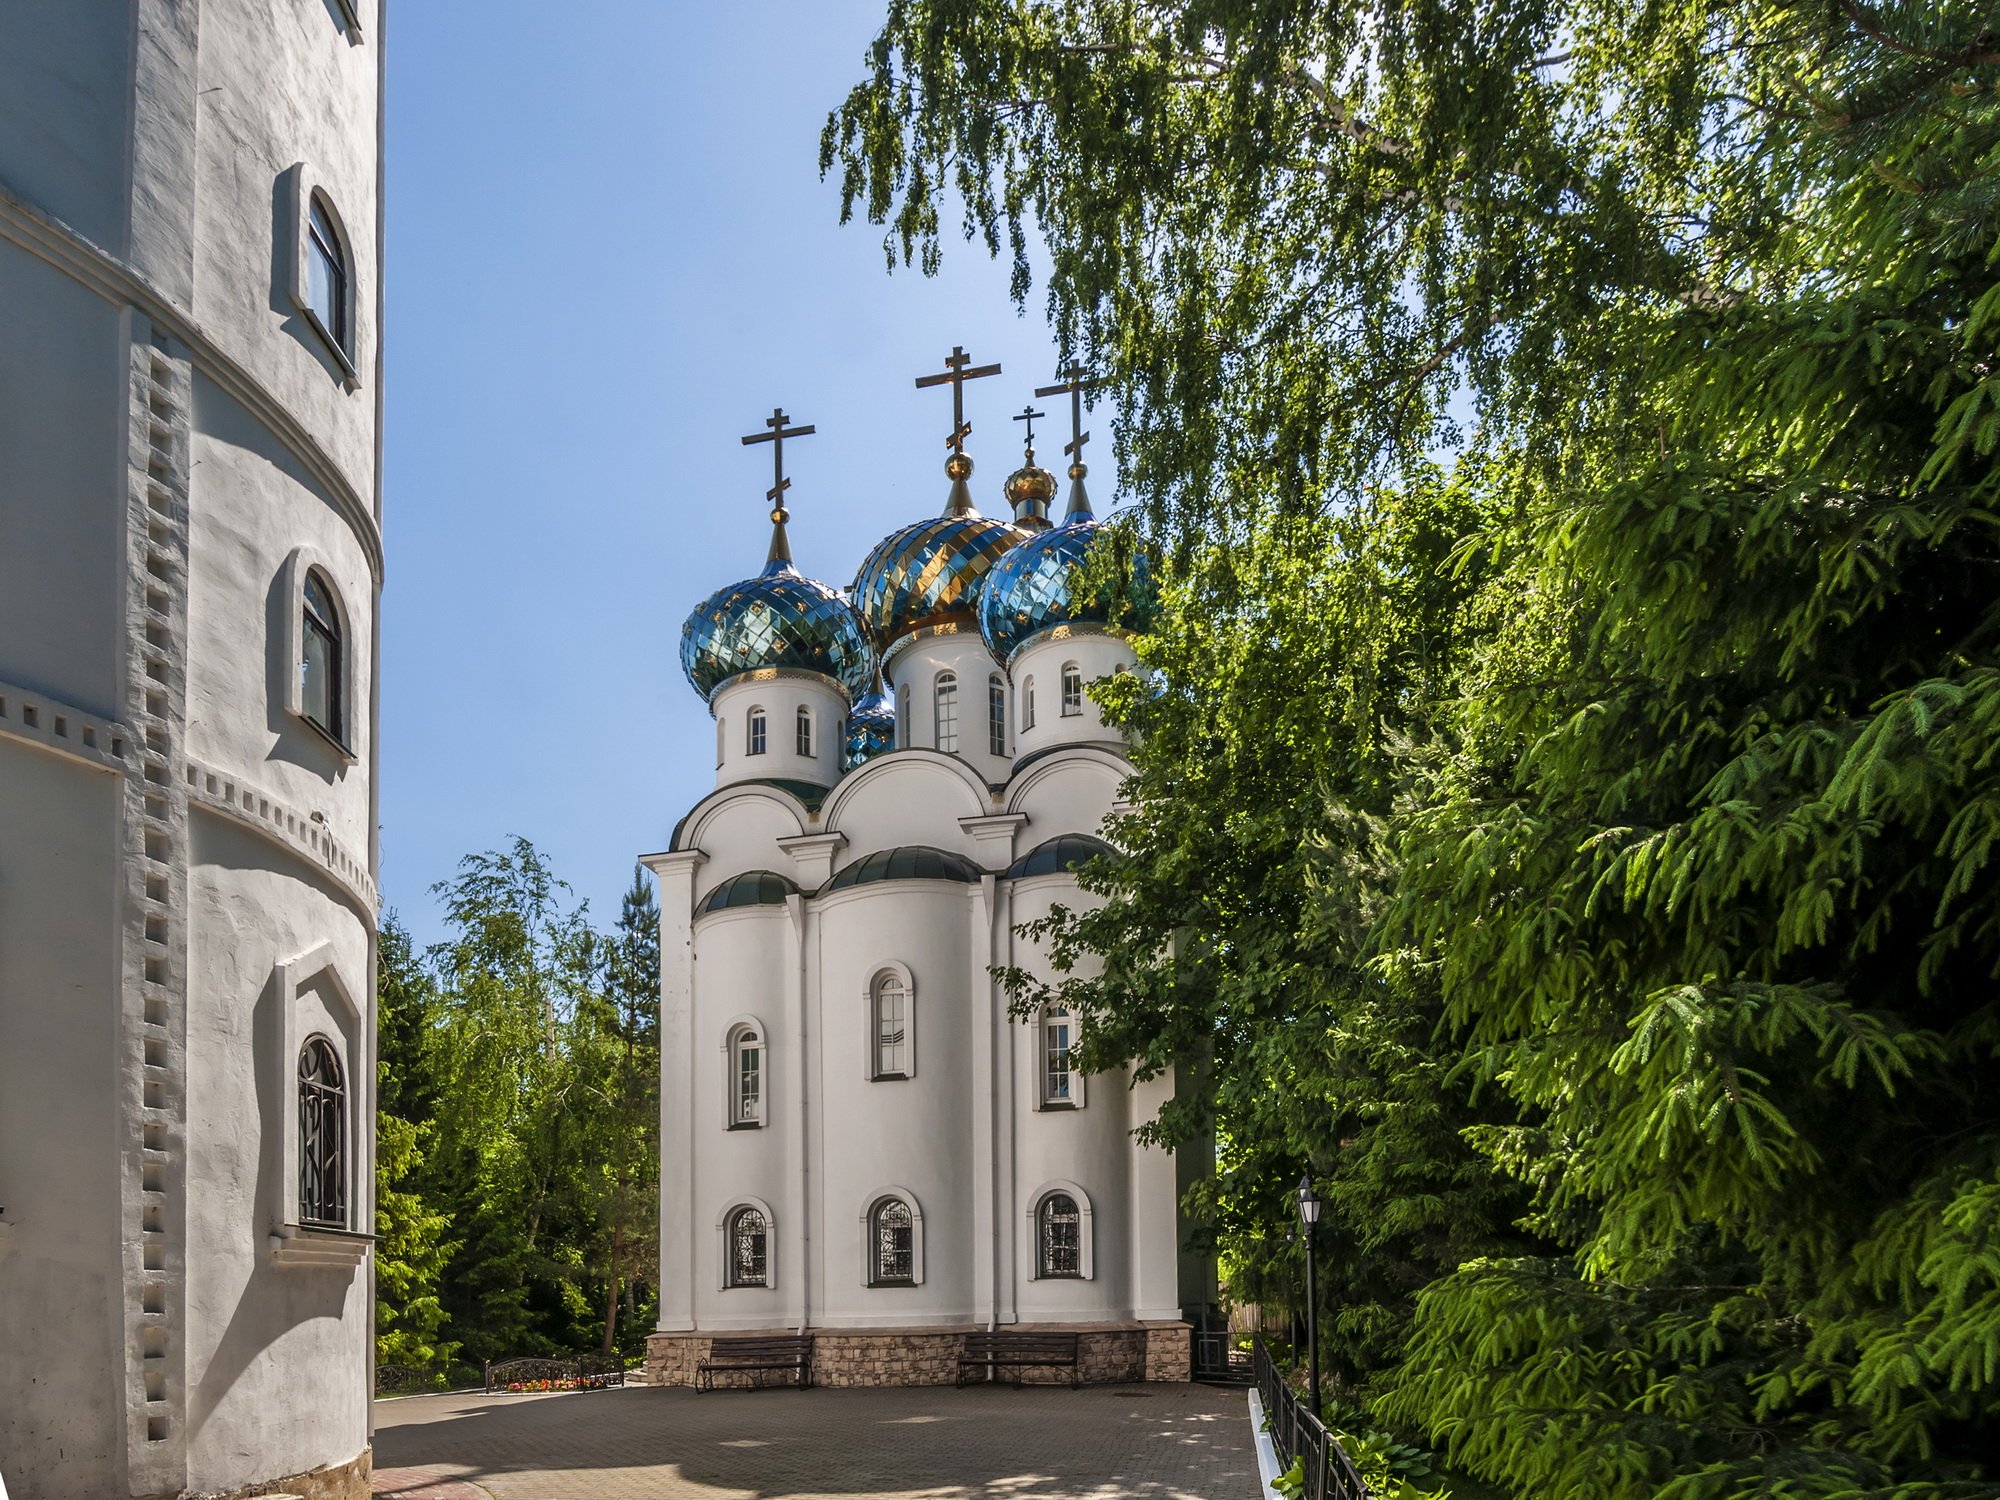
871 728
927 576
778 620
1035 589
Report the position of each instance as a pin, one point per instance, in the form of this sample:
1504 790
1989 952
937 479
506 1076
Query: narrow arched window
322 1136
721 730
329 280
947 713
903 717
755 733
746 1079
1028 703
893 1244
1059 1089
1059 1237
749 1241
892 1026
320 658
804 732
996 716
1072 689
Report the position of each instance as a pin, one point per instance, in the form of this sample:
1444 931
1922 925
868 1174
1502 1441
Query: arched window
755 734
1028 703
320 652
721 731
892 1032
947 713
1061 1087
322 1136
748 1242
329 278
903 717
804 732
892 1237
1072 689
1058 1237
746 1078
996 716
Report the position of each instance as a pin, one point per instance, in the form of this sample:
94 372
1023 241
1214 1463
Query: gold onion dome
1029 489
926 576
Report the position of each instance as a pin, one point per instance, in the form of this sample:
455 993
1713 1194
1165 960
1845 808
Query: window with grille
1058 1059
805 732
892 1027
755 733
320 658
747 1107
1060 1235
322 1136
996 716
947 713
749 1248
894 1240
1072 690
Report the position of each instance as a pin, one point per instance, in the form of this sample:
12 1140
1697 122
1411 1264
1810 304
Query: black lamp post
1309 1205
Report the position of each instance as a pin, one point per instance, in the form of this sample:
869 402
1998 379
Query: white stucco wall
171 436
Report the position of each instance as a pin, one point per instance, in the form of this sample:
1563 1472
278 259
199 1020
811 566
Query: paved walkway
1159 1442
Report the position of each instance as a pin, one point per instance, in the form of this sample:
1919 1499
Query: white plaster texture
170 435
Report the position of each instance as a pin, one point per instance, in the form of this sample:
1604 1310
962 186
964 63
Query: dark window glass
320 663
326 278
1072 691
322 1136
749 1241
947 713
895 1243
757 735
805 733
1057 1069
996 716
1061 1237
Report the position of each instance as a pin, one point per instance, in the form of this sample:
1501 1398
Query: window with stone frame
322 652
891 1039
749 1240
329 278
892 1244
322 1136
1060 1088
746 1079
1059 1237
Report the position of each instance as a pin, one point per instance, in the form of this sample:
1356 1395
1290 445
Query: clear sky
609 256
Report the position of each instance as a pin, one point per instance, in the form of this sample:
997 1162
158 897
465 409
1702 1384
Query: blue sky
609 255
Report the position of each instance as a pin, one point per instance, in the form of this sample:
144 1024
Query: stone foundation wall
1107 1354
348 1481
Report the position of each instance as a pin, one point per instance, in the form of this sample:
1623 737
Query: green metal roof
751 888
1063 853
910 862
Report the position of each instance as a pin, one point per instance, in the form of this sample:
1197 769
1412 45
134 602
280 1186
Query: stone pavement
1150 1442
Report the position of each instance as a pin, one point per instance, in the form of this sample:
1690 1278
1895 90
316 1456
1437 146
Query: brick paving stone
1151 1442
423 1484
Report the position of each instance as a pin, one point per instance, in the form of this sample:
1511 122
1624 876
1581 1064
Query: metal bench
791 1353
1017 1350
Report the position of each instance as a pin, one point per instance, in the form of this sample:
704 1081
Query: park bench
1018 1350
790 1352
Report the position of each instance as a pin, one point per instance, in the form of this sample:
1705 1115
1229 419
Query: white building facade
857 1139
190 562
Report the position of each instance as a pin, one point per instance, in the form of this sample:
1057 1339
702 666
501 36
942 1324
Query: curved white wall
1040 663
914 671
780 699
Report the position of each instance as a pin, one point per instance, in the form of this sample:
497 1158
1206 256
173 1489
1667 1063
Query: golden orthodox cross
956 374
1028 414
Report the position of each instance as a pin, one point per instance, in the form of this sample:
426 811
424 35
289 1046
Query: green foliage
1639 867
520 1061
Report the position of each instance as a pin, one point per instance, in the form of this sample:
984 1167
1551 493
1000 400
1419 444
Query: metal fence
1299 1434
1222 1358
589 1372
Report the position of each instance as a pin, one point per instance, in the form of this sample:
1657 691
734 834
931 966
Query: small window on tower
1059 1080
746 1079
329 291
947 713
892 1027
1072 690
903 717
748 1236
1028 703
805 732
996 716
320 659
756 733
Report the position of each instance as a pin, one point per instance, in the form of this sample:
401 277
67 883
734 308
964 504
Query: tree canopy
1569 774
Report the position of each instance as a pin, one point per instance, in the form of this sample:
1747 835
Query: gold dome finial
1029 489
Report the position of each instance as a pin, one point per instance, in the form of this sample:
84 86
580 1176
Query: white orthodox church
858 1141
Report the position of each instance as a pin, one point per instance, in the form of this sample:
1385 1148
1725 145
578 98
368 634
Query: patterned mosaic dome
871 728
1032 589
779 619
928 574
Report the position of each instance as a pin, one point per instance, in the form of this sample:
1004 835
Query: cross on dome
957 370
1076 380
780 429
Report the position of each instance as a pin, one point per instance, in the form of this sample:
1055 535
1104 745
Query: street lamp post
1309 1206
